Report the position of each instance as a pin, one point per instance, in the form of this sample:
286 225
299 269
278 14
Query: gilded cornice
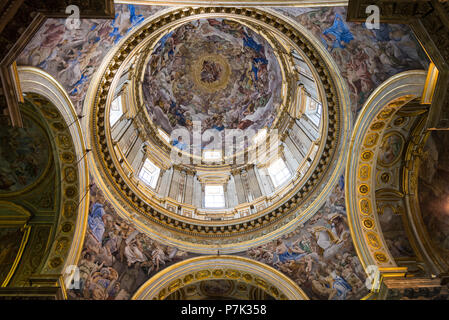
245 3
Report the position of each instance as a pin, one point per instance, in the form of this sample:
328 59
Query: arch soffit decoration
376 114
234 268
99 97
35 80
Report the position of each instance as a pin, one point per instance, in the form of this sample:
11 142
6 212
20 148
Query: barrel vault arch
370 127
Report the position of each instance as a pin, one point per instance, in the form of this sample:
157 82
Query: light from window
313 111
150 174
116 111
279 172
320 108
312 105
214 197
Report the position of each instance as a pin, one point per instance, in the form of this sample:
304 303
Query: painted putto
216 72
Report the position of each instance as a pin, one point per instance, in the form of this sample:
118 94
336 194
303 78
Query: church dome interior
214 136
203 151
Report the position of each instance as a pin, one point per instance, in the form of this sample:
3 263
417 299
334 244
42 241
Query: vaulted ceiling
268 151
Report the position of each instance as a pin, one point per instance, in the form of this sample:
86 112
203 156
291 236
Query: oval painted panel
391 149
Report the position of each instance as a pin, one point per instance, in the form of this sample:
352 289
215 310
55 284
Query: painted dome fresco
214 72
258 112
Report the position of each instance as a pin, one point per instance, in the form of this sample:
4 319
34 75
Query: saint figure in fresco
95 221
289 252
337 35
341 285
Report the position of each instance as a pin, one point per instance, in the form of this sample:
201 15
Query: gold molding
213 86
144 118
382 105
26 233
246 3
67 244
21 217
204 268
431 83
